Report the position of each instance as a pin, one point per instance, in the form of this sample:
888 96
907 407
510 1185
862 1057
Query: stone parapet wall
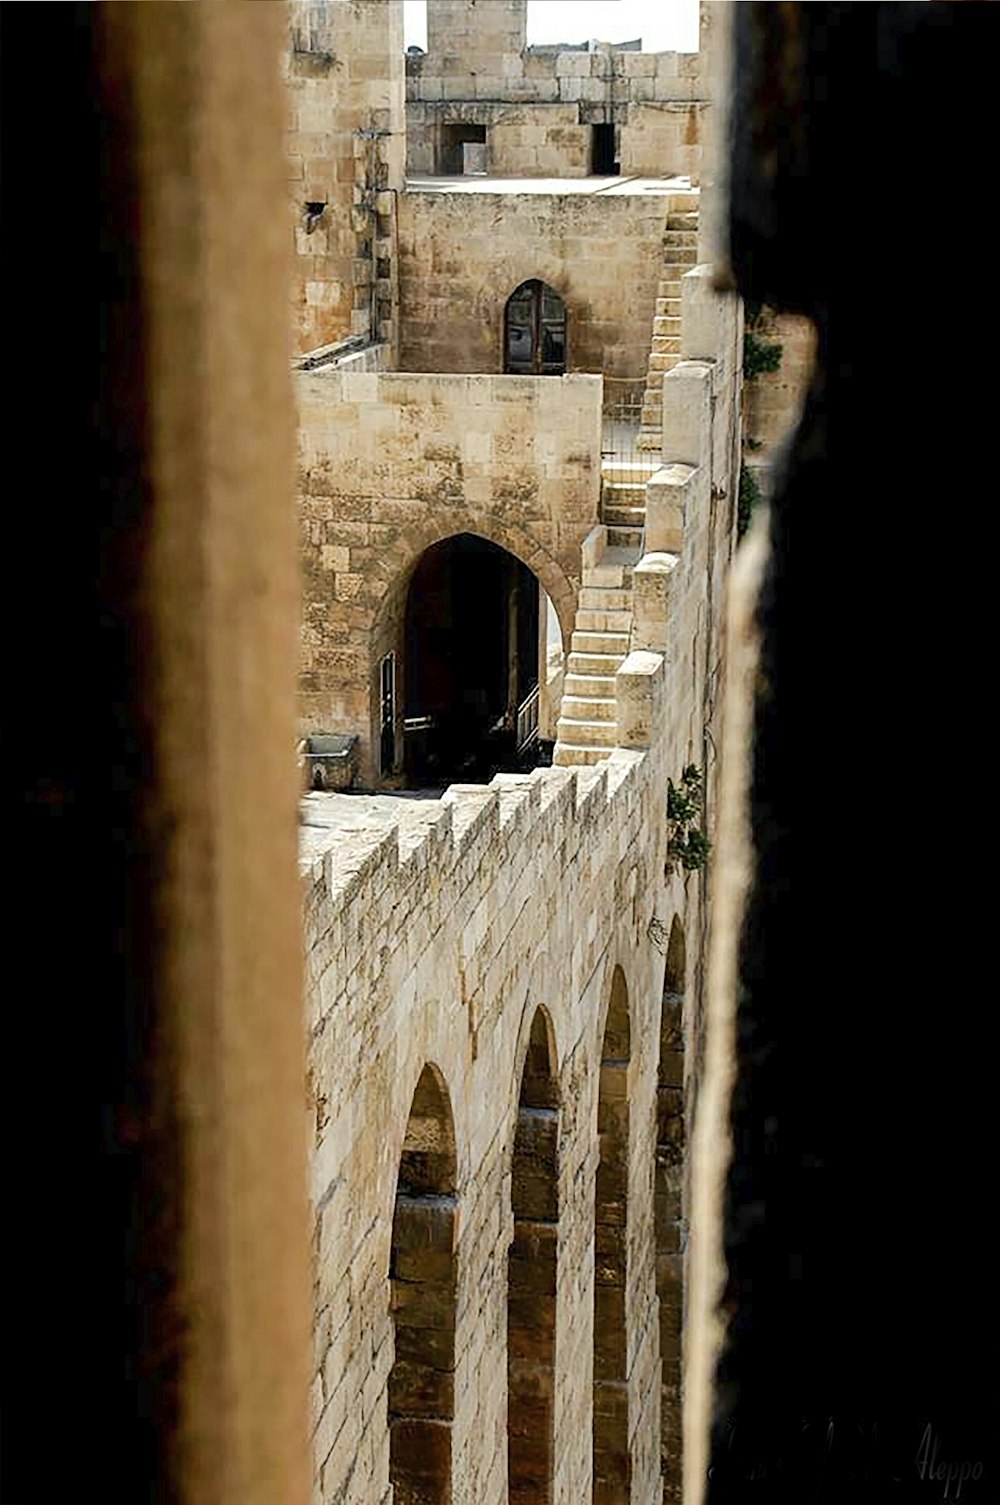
392 463
463 254
438 946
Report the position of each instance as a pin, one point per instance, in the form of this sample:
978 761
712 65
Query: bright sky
664 25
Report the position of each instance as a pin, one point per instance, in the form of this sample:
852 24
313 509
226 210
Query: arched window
534 341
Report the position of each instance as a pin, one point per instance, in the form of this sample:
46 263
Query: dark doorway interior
602 152
471 664
535 331
452 157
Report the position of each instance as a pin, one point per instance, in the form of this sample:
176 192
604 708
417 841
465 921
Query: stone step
605 598
681 235
588 707
650 439
590 686
669 291
625 493
624 538
595 663
667 324
603 621
625 472
604 577
565 755
681 220
584 641
586 733
622 517
663 355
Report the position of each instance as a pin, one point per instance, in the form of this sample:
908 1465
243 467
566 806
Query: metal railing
622 420
527 721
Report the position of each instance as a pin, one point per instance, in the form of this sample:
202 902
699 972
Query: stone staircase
680 254
587 729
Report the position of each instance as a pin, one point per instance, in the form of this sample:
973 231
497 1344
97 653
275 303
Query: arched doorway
534 334
471 654
612 1460
422 1280
531 1277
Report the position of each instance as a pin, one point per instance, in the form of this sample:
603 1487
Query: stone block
651 581
638 693
687 412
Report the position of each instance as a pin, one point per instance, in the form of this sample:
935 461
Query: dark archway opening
471 655
422 1279
531 1278
668 1210
612 1460
534 341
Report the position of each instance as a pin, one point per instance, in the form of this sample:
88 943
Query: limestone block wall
774 398
346 149
539 106
524 895
390 464
465 37
461 255
434 942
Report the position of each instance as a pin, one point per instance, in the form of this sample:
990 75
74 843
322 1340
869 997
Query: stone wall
390 464
539 104
435 931
774 399
461 255
345 87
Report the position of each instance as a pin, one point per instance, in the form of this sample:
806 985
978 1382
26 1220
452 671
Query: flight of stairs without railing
680 254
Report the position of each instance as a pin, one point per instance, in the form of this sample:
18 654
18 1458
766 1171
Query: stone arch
535 320
612 1460
532 1272
391 575
668 1208
422 1295
395 578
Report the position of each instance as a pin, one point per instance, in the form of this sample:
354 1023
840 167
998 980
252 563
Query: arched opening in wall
612 1461
531 1277
668 1209
475 656
422 1280
534 331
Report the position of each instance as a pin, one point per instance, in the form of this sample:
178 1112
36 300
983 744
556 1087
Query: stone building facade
504 972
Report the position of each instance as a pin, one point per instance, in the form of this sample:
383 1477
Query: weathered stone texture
462 255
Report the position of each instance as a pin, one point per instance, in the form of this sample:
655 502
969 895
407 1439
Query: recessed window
602 151
462 150
535 331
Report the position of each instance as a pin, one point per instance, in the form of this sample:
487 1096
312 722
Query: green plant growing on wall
749 496
760 355
688 847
